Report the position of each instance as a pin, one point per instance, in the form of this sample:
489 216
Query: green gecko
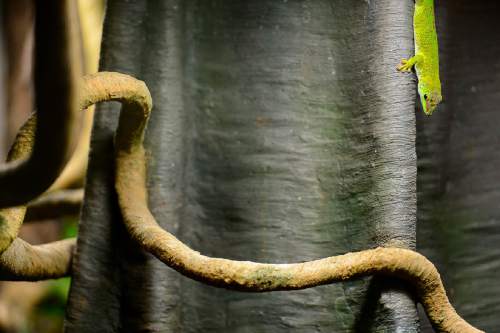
426 59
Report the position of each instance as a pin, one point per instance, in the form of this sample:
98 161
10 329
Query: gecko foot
405 66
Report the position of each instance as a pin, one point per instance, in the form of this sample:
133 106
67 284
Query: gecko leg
406 65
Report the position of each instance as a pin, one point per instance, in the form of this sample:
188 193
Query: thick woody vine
22 261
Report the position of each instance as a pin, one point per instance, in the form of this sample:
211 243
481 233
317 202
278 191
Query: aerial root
23 261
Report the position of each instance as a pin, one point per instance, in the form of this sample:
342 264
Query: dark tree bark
459 159
281 132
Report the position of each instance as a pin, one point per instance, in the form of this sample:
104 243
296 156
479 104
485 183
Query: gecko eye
425 96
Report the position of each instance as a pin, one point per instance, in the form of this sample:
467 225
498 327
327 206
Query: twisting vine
18 259
22 261
130 184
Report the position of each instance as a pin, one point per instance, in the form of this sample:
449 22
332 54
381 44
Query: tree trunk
281 132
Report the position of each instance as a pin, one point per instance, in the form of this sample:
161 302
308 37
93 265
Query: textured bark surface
459 159
281 132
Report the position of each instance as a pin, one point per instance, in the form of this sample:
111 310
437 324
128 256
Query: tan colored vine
130 183
23 261
18 259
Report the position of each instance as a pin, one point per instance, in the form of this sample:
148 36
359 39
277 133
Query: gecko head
429 98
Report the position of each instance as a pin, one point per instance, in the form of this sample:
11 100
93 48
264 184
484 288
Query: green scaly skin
426 59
